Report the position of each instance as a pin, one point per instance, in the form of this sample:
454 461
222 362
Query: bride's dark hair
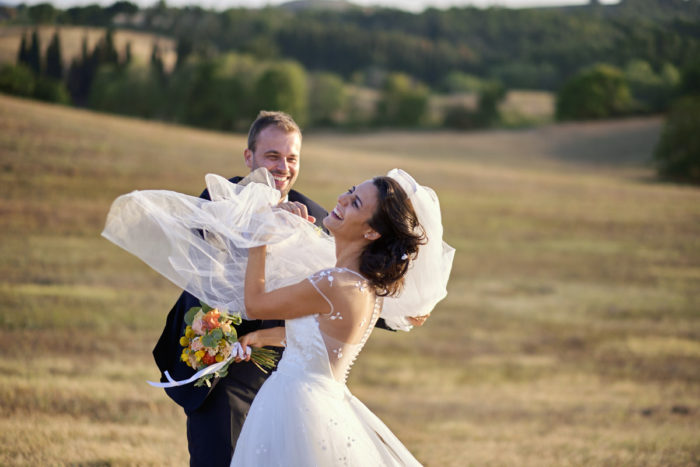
384 262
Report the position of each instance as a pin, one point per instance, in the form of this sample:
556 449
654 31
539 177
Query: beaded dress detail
304 414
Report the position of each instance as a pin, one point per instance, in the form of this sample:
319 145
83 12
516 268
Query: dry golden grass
571 334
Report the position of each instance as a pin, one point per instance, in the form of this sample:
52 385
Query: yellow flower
184 341
199 354
184 357
189 332
219 358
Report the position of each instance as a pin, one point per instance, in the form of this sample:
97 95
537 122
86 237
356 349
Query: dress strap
313 282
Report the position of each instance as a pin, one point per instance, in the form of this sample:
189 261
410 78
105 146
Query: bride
386 262
304 414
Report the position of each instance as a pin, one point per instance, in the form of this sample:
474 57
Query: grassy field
571 334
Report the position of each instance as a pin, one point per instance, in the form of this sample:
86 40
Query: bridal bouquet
210 339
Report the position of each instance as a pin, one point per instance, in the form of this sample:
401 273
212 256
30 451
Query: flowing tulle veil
201 245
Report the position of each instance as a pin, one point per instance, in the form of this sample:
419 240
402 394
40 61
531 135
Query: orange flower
208 359
211 320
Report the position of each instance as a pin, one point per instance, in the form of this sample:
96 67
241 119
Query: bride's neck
347 255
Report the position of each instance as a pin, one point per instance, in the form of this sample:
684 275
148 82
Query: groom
215 415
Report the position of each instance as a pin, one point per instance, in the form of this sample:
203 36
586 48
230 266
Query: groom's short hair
268 118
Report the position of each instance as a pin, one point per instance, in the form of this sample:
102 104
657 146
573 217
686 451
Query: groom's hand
297 208
417 320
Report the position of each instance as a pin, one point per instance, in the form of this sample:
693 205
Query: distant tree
80 75
283 86
690 79
34 55
132 90
490 97
652 92
42 13
459 82
105 52
82 71
127 54
327 98
23 52
157 65
93 15
183 50
54 61
211 93
677 155
404 102
118 7
594 93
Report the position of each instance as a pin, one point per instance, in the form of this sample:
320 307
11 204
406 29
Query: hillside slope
569 335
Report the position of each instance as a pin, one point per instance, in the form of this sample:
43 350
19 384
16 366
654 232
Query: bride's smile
349 218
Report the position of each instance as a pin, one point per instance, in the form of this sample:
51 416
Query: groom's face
278 151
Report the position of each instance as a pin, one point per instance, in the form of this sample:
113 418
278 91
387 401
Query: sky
410 5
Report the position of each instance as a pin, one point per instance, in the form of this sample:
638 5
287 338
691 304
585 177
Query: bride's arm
289 302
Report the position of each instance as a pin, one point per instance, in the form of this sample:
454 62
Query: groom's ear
248 158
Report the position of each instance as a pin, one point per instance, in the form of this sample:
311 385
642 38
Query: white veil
425 284
201 246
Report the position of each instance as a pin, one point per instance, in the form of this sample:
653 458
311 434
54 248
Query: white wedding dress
304 414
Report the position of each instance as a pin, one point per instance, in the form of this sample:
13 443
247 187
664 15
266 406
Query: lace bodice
327 344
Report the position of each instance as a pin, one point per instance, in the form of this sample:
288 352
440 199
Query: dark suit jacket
167 351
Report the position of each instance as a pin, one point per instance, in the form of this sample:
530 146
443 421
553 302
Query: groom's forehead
273 139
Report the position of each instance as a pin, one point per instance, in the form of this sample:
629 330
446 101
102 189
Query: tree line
536 48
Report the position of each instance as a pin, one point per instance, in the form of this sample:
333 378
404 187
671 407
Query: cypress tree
110 54
34 56
23 53
54 63
157 61
184 50
127 55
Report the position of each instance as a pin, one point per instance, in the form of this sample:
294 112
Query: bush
51 90
134 90
677 155
403 102
17 80
652 92
594 93
460 117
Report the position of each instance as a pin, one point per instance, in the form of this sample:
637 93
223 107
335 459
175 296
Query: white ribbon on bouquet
236 351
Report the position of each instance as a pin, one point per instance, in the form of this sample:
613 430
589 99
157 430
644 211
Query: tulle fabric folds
201 245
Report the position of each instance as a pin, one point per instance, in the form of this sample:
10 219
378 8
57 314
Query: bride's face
349 218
